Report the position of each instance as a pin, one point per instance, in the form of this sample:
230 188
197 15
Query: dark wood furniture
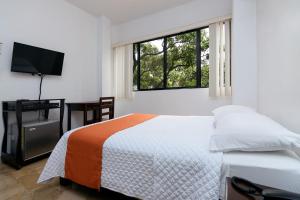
19 107
82 106
95 106
233 194
106 103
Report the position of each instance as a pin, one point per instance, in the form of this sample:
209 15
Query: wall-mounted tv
35 60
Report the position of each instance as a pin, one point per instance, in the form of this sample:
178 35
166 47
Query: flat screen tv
35 60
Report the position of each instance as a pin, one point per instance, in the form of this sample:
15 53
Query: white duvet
163 158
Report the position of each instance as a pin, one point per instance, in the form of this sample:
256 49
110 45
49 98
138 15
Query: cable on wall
41 83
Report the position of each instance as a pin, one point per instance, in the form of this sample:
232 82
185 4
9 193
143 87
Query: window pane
205 57
181 59
135 66
151 64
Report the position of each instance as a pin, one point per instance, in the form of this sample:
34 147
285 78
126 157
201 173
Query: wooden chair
106 103
99 112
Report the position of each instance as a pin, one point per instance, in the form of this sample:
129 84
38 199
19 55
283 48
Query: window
171 62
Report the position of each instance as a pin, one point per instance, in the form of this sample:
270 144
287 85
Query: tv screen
35 60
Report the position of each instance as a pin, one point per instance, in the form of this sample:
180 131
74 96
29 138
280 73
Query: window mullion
139 66
198 57
165 62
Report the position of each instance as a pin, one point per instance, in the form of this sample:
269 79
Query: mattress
165 158
279 169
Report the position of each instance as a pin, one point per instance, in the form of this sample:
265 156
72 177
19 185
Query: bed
168 157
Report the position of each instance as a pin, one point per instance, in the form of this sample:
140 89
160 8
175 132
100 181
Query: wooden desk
88 106
82 106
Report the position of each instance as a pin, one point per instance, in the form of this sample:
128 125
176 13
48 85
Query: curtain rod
173 30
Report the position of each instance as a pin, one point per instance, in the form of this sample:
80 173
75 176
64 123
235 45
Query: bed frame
64 181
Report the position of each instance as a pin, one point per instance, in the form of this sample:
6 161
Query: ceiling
120 11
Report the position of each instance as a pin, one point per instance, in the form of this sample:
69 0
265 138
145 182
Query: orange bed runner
83 162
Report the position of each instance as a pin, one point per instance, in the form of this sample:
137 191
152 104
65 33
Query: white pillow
222 111
231 109
252 132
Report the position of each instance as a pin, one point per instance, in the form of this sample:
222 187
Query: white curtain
219 59
123 72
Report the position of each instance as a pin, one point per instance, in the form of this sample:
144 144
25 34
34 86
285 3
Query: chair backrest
107 103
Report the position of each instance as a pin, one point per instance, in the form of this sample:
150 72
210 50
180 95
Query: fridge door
39 138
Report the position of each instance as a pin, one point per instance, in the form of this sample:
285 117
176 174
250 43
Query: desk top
87 105
83 102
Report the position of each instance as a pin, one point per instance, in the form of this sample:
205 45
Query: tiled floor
21 185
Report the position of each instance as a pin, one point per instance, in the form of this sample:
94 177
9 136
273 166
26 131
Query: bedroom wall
56 25
172 20
105 55
171 102
183 101
244 53
278 33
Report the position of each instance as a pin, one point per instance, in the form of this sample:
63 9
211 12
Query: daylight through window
171 62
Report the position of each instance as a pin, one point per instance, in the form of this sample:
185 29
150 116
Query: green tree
205 57
181 61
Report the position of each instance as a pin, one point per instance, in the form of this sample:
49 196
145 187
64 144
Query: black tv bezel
34 73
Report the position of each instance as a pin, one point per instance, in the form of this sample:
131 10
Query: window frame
198 61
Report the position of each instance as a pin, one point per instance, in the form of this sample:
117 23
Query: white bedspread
163 158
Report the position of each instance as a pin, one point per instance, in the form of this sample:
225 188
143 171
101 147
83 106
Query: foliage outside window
171 62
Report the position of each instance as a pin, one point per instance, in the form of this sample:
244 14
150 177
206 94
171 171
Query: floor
21 185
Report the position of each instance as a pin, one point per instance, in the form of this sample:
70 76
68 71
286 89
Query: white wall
105 54
186 16
183 101
278 33
244 53
171 102
52 24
